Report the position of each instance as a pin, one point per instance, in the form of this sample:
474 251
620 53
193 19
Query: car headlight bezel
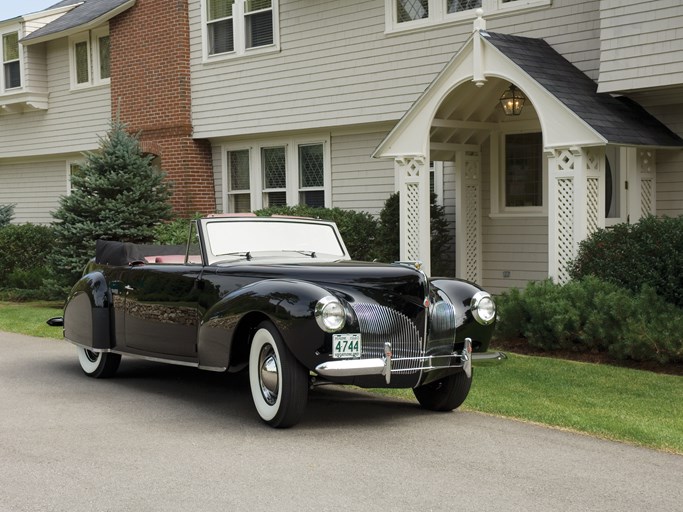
330 314
483 308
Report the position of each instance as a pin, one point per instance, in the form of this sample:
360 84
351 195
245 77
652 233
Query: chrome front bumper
383 365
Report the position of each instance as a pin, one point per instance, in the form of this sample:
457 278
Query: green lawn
617 403
30 318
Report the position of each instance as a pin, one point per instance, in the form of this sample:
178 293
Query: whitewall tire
278 382
98 365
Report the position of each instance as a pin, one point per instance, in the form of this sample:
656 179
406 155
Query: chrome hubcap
268 375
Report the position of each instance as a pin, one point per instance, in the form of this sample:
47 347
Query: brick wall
150 88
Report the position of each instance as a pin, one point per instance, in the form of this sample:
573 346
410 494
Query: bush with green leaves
117 195
174 232
25 252
358 229
6 214
632 255
388 232
591 315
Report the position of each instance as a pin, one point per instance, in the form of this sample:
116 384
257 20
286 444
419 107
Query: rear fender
225 330
87 312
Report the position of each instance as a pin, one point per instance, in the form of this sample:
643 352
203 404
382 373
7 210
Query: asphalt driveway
160 437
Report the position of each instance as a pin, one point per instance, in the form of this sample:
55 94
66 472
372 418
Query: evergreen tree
6 214
116 195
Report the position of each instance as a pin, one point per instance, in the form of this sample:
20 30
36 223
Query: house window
523 170
277 172
90 58
239 196
72 169
10 59
274 165
240 26
311 175
415 14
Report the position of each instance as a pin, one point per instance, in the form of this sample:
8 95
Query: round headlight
483 308
330 314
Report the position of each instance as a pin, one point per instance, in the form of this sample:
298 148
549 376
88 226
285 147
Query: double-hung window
238 27
90 58
277 173
10 60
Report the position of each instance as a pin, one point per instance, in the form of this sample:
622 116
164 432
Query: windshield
247 238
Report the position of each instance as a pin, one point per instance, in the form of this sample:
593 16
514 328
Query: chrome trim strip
150 358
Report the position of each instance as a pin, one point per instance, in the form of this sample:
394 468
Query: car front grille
379 324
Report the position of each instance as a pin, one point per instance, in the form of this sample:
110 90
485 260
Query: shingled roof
82 15
617 119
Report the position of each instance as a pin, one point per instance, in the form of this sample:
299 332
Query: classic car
280 298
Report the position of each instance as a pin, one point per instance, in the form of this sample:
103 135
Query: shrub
442 260
593 315
358 229
647 253
6 214
25 248
174 232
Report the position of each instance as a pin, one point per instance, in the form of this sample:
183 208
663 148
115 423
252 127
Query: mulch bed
521 346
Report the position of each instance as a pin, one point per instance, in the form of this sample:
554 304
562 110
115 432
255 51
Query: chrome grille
379 324
442 318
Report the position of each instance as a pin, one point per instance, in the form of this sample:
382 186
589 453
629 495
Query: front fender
225 330
459 294
87 312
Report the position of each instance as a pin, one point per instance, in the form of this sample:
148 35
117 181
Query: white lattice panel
646 190
472 233
592 161
413 221
646 161
565 228
592 204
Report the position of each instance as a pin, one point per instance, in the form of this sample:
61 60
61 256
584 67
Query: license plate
346 346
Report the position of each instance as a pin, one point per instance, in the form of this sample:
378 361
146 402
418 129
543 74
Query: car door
161 309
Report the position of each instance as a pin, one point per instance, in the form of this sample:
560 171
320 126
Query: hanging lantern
512 101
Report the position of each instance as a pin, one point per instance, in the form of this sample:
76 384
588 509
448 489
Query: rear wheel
98 365
444 394
278 382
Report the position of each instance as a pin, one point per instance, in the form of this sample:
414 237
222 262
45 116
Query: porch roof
570 111
85 15
618 119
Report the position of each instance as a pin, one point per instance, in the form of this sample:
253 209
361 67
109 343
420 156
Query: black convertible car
279 296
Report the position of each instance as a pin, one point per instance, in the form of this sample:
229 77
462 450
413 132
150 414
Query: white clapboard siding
514 245
35 186
360 182
337 67
35 68
72 123
641 44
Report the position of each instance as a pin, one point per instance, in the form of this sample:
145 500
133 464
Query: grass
30 318
610 402
622 404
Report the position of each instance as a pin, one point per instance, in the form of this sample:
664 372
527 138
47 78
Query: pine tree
116 195
6 214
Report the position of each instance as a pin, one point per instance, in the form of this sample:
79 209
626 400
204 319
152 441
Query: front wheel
444 394
98 365
278 382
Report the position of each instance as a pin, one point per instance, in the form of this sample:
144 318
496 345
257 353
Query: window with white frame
90 57
72 168
415 14
523 170
239 189
238 27
11 61
276 173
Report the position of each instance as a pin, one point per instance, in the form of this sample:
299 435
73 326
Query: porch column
576 203
641 183
468 216
413 184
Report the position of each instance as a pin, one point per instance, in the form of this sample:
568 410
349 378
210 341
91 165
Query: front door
161 309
